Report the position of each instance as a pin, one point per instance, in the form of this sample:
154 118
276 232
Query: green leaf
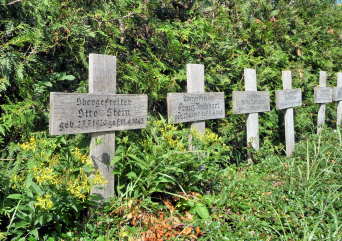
95 197
131 175
32 238
35 188
29 181
22 224
143 165
34 232
74 207
68 77
101 238
202 210
41 219
15 196
115 160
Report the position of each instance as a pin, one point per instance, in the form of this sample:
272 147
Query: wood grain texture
102 74
321 108
288 116
337 92
195 84
339 104
183 107
323 95
245 102
72 113
288 98
195 78
102 79
252 123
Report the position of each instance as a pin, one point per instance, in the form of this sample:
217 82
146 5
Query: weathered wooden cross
287 99
322 95
195 106
251 102
101 112
337 96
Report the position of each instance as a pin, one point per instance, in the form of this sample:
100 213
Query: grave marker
322 95
88 113
337 96
251 102
287 99
196 106
100 113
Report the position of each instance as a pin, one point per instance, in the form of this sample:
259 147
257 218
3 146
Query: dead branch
16 1
123 17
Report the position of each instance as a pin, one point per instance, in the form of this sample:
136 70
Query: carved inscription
245 102
322 94
288 98
86 113
186 107
337 93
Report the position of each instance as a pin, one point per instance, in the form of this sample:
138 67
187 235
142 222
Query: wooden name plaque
337 93
186 107
288 98
72 113
245 102
322 94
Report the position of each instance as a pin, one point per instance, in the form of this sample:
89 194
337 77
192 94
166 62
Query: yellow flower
49 204
83 197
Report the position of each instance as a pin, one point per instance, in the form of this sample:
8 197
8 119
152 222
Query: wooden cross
251 102
337 96
287 99
322 95
195 106
101 112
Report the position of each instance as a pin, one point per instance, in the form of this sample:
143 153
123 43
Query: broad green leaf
131 175
115 160
35 188
22 224
15 196
34 232
202 210
68 77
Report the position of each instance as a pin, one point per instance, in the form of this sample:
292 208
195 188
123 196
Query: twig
117 19
14 2
13 159
292 2
181 224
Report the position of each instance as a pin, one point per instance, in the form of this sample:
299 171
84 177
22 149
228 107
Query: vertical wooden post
195 84
288 117
339 103
321 108
252 124
102 79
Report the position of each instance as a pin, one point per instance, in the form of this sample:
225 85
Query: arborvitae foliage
44 47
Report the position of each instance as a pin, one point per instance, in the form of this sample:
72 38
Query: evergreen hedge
44 47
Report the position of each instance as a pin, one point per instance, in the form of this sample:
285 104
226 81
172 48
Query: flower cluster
30 145
58 174
84 158
206 139
170 133
17 181
44 203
